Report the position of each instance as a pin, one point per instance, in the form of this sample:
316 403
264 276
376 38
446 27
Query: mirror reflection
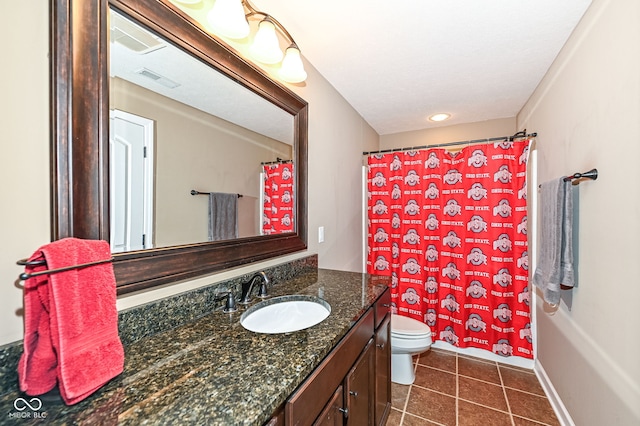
180 127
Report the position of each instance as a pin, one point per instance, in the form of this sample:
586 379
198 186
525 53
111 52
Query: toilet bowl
408 337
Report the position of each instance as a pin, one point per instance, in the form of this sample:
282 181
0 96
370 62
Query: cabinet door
383 371
381 307
333 413
277 419
359 390
309 400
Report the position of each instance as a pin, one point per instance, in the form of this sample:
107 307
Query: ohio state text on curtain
450 228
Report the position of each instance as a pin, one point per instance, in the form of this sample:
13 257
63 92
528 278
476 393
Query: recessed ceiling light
439 117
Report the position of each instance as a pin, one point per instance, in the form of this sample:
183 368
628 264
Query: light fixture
440 116
292 69
265 47
230 18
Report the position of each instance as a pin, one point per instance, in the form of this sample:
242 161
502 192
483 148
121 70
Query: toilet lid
408 326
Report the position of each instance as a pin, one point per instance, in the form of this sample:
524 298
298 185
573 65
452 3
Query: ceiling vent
160 79
132 36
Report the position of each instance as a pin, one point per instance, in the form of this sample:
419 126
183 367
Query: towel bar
194 192
26 262
591 174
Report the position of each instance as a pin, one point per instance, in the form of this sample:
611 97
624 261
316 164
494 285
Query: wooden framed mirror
80 139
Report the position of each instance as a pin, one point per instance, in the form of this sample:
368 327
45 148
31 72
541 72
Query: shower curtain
451 231
277 209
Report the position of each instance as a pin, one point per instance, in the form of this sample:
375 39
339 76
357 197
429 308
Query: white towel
555 260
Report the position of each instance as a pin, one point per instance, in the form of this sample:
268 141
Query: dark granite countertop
213 371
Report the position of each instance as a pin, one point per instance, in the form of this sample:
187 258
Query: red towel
70 322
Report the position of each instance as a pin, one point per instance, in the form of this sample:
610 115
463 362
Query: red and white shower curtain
277 211
451 230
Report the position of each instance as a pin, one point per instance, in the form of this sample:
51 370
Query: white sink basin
285 314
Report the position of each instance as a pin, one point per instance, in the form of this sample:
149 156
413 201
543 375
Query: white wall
587 114
337 137
24 149
455 133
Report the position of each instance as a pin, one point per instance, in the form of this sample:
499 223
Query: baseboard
554 399
595 388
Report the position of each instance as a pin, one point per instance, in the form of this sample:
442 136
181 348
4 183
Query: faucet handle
230 304
262 292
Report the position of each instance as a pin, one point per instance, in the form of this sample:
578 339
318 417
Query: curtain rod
279 160
522 134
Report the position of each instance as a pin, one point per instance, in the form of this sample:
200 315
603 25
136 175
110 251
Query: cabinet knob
386 305
354 393
380 345
344 411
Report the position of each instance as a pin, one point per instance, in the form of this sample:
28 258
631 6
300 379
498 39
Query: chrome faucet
248 287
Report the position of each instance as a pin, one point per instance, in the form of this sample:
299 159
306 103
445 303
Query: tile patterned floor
458 390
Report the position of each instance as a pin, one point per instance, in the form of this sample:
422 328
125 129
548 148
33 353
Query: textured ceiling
398 62
196 84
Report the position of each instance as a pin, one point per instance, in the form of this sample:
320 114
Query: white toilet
408 337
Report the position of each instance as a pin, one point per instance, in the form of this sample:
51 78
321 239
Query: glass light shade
266 47
227 19
292 69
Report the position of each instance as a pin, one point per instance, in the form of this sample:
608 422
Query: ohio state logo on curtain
277 212
451 231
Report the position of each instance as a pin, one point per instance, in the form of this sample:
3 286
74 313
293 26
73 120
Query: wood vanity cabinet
382 381
358 390
352 385
333 414
351 403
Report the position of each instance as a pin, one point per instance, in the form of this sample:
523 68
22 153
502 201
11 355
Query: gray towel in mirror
223 216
